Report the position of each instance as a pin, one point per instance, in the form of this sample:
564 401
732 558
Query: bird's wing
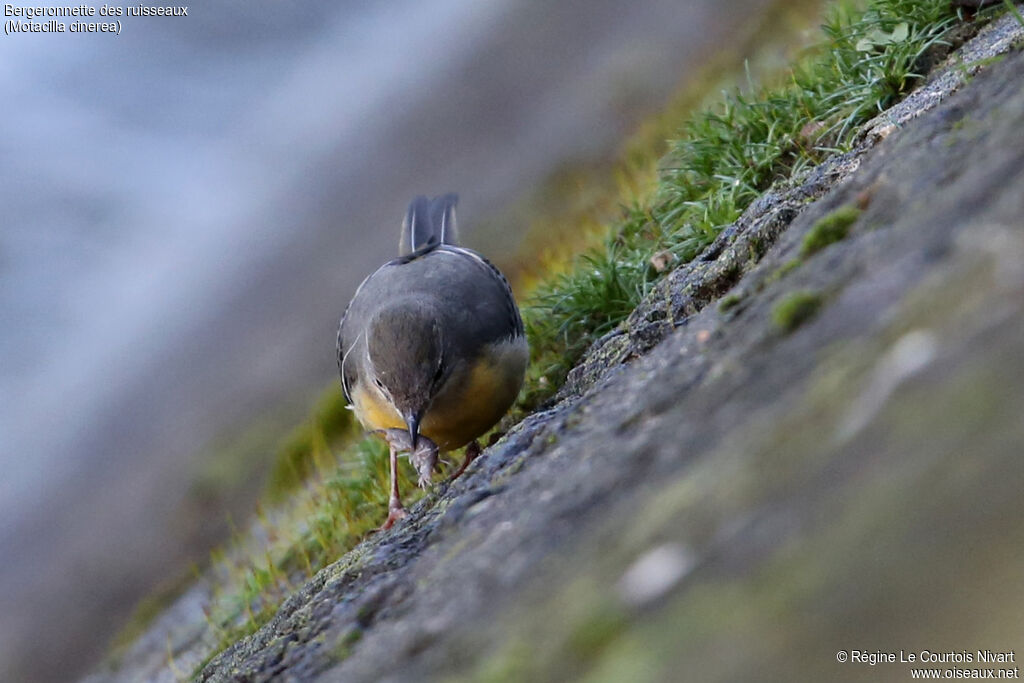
511 312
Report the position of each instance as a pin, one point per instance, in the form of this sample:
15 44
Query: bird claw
395 513
424 458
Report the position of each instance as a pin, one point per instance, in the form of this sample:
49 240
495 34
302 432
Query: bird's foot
395 513
424 458
472 451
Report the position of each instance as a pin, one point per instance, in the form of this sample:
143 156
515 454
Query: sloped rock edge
356 617
740 246
855 481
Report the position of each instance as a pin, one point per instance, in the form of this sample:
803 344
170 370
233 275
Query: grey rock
774 498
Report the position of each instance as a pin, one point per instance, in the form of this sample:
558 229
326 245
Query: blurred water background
187 208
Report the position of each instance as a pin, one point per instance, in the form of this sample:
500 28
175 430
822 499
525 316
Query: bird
431 349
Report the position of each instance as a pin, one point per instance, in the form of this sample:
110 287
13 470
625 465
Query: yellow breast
374 411
472 401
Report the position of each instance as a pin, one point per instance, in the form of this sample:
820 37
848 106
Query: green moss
795 309
346 642
725 157
782 271
592 634
338 505
511 664
729 302
829 229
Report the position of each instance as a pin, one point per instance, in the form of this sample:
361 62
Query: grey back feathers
473 301
429 222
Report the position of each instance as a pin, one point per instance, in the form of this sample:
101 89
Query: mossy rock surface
712 500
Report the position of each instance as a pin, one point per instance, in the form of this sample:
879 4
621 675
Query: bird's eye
438 374
380 385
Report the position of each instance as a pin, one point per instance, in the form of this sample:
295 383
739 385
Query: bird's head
406 356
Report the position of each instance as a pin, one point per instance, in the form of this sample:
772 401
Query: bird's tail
429 221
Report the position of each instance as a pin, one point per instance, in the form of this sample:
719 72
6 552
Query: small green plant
829 229
1012 8
342 500
724 158
877 38
795 309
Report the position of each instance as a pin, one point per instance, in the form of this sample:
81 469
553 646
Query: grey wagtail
431 349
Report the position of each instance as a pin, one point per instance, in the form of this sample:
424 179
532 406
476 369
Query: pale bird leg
395 509
424 459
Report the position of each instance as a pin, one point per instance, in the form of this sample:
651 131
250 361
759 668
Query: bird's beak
412 422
